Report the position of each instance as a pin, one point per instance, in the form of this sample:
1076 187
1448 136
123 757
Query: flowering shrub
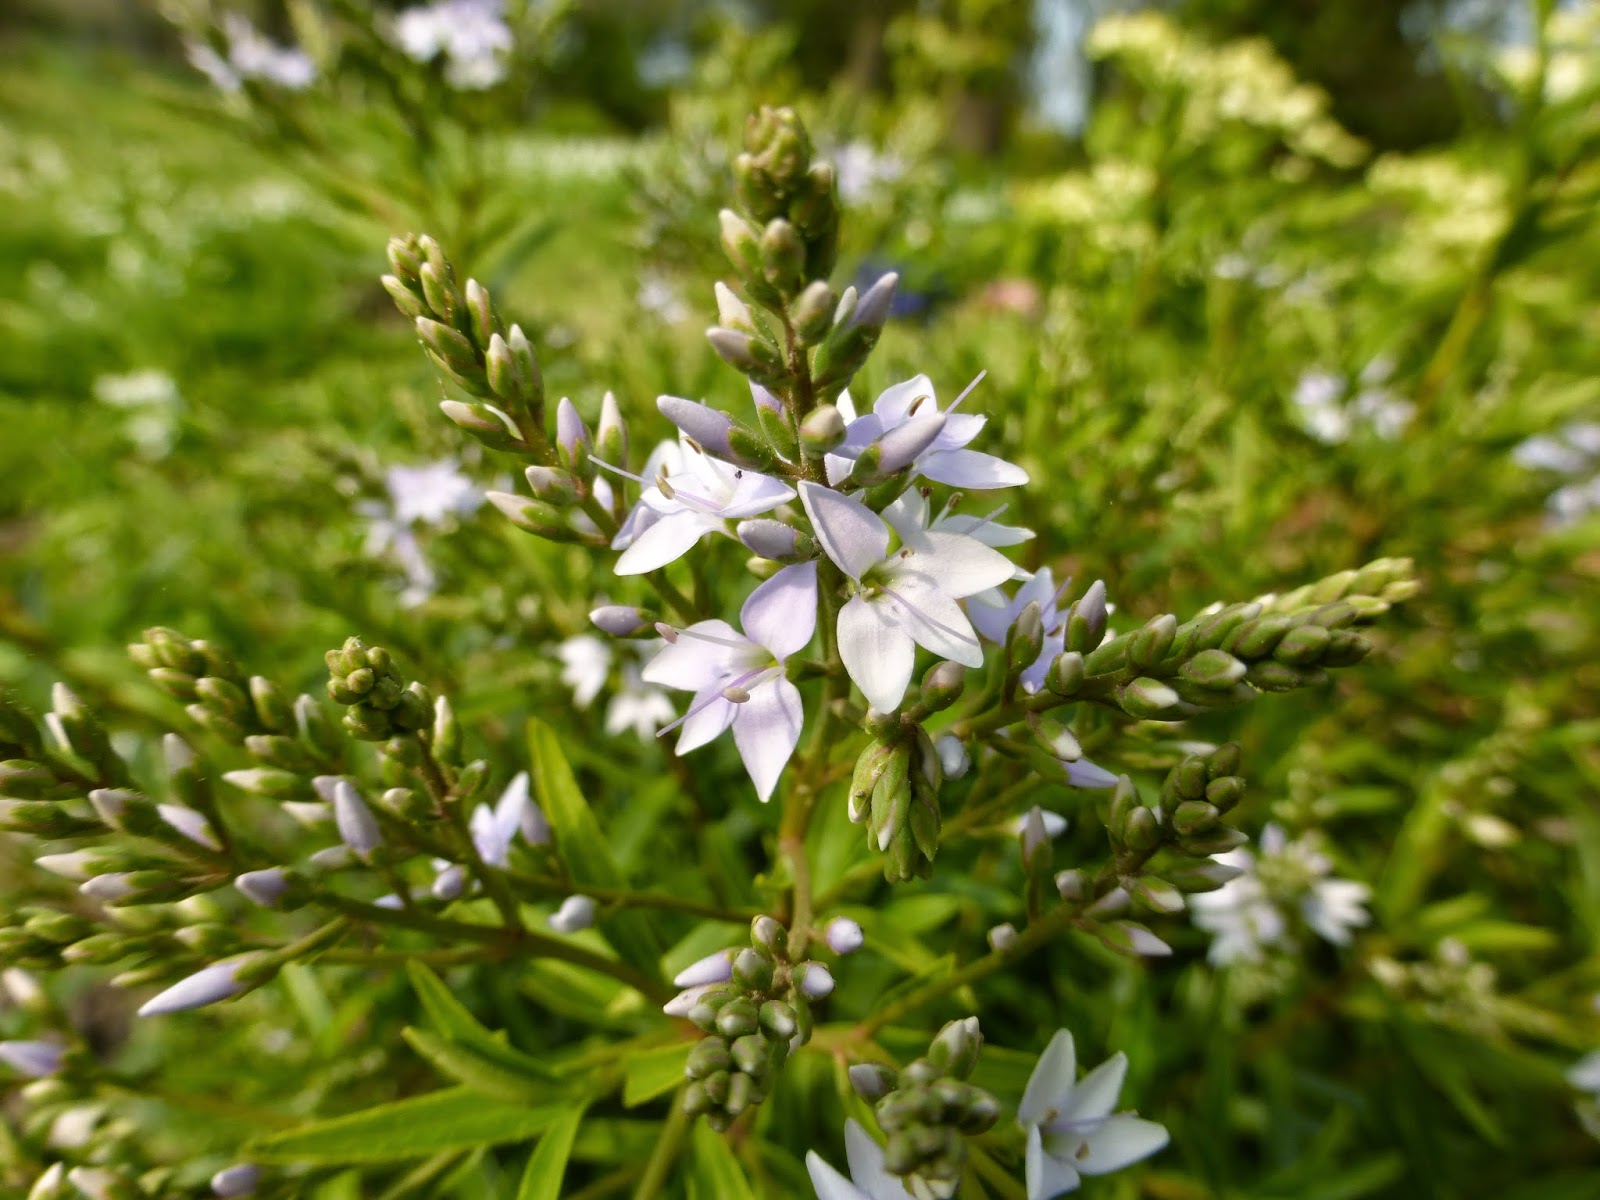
770 793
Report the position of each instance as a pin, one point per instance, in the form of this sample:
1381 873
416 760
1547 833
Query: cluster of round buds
380 704
894 791
754 1005
929 1109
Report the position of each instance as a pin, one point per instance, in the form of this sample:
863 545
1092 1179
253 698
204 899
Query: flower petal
1122 1140
877 652
962 565
766 728
933 619
829 1183
690 664
709 717
1047 1177
971 469
756 493
667 540
852 535
1051 1081
865 1157
1095 1095
781 614
907 514
894 402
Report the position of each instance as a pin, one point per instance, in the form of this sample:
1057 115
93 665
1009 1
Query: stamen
640 480
669 632
735 695
967 392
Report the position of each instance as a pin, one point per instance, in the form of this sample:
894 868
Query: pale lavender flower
209 985
902 600
686 504
33 1059
844 936
251 56
1071 1124
869 1179
585 664
994 615
945 460
471 34
575 913
635 706
738 680
240 1180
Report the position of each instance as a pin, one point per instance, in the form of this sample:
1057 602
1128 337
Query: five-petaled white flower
738 680
946 460
868 1178
1251 912
1071 1126
695 496
902 600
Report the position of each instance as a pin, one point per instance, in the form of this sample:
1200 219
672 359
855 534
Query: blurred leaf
454 1119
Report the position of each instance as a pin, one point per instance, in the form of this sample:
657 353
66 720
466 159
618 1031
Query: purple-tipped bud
265 888
325 786
622 620
575 913
358 828
732 312
900 447
844 936
551 484
713 968
709 427
572 436
1035 835
110 888
238 1180
332 858
209 985
189 823
33 1059
873 307
1092 608
775 540
872 1081
1053 824
953 756
814 980
685 1000
449 884
1003 937
1086 774
611 435
535 826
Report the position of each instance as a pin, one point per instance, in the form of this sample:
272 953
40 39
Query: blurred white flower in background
472 35
149 399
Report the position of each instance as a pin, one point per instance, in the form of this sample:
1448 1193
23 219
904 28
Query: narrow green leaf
451 1018
463 1064
650 1073
715 1173
454 1119
542 1179
583 847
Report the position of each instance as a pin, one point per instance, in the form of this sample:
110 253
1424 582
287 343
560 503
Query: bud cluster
930 1109
1164 671
380 703
894 791
754 1005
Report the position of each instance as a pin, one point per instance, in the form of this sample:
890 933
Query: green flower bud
1303 646
1215 670
1066 674
1149 645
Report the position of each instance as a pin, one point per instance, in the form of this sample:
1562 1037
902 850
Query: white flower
1072 1129
637 707
1585 1074
994 615
1316 395
585 663
901 600
251 56
494 828
946 460
431 493
471 34
868 1178
738 680
1251 912
860 170
699 497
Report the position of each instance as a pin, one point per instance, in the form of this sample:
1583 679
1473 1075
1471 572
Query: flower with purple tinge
1251 911
575 913
33 1059
1071 1126
844 936
642 709
902 600
251 56
493 828
358 828
869 1180
471 34
698 498
240 1180
209 985
429 494
994 615
585 664
738 680
946 460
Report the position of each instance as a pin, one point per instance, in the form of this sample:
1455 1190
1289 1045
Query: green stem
665 1153
547 886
